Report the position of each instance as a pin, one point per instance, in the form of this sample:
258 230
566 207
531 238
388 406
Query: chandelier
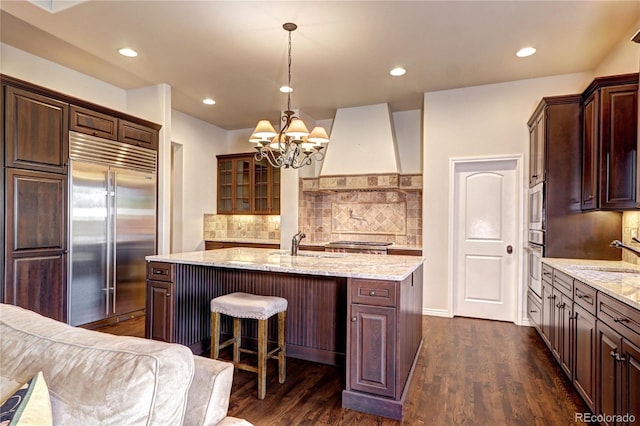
293 146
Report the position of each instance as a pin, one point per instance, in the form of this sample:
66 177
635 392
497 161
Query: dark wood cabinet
215 245
36 131
138 134
584 357
247 186
562 328
548 314
534 310
379 314
372 358
160 301
618 366
537 148
555 157
159 312
93 123
610 143
36 241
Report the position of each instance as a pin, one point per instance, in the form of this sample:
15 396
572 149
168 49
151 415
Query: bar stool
245 305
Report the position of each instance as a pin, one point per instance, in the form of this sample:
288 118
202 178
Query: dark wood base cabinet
372 327
596 340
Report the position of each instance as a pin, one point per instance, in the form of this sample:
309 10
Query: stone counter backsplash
259 227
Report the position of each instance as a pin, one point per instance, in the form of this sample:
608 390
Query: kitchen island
358 311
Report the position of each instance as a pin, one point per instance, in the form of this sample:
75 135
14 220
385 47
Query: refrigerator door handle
109 241
114 278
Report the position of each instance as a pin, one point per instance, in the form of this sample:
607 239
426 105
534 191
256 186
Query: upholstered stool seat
251 306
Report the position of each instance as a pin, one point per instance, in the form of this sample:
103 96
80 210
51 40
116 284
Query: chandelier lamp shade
293 146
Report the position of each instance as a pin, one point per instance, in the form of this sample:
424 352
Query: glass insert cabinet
247 186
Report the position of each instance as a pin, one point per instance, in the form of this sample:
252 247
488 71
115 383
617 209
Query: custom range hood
362 142
363 154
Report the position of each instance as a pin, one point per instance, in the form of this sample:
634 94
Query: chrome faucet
295 242
618 244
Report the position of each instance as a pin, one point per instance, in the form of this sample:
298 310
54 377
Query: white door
484 232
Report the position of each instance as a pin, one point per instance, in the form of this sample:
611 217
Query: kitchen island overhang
358 310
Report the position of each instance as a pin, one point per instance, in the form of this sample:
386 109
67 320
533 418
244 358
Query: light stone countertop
244 240
620 280
368 266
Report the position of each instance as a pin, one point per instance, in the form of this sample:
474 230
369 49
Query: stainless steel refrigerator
112 199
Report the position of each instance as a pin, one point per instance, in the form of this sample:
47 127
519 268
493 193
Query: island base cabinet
372 354
159 317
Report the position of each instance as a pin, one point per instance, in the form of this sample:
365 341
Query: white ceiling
235 51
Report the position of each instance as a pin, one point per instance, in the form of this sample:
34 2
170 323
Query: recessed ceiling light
130 53
397 72
525 51
286 89
208 101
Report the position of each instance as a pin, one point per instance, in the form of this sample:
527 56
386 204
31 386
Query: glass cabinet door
225 186
243 186
261 186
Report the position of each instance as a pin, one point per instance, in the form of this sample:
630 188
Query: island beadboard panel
316 315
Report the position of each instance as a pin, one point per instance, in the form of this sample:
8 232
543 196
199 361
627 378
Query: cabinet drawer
93 123
160 271
534 310
373 292
547 273
585 296
563 282
619 316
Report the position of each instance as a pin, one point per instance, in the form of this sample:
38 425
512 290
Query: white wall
201 142
624 58
486 120
408 129
34 69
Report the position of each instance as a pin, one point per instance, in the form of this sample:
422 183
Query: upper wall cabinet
537 147
37 133
247 186
106 126
610 143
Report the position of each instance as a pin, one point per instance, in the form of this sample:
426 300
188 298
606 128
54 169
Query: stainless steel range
368 247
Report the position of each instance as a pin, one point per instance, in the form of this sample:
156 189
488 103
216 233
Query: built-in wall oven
535 248
535 252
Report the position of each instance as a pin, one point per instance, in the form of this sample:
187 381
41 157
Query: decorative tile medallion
369 218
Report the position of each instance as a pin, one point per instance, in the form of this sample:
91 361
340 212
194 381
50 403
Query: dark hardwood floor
470 372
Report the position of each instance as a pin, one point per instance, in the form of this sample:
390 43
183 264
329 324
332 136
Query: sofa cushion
96 377
29 405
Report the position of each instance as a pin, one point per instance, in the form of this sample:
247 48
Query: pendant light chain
289 77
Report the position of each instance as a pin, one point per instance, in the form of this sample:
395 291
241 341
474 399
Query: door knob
509 249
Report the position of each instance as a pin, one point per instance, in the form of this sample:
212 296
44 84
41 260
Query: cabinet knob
168 295
372 293
354 319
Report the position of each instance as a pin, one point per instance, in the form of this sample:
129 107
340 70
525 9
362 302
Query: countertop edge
561 265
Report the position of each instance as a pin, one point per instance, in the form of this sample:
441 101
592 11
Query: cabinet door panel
607 381
37 131
137 134
38 282
548 308
631 381
590 153
36 210
159 312
372 359
93 123
584 360
619 146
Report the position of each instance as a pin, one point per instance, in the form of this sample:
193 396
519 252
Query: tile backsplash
362 215
258 227
630 222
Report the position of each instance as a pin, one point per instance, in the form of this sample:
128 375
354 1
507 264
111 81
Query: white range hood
362 142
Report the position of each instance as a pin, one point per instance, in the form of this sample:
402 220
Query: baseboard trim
436 312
